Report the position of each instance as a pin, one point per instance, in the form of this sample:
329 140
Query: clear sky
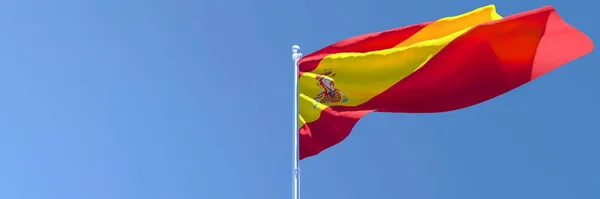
178 99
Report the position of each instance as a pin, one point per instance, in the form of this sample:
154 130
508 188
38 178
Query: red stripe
485 62
331 128
361 43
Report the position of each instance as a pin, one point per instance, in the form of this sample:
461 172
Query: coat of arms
329 94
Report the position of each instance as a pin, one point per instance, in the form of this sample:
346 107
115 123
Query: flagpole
296 56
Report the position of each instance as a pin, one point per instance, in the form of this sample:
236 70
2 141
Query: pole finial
296 55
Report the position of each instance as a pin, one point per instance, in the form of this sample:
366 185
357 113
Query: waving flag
449 64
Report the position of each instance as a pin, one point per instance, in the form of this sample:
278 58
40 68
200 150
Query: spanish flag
444 65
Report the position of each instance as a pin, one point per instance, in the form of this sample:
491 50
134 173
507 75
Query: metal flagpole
296 56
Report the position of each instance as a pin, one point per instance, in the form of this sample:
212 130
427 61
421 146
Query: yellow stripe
448 25
362 76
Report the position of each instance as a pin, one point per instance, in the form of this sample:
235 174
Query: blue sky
192 99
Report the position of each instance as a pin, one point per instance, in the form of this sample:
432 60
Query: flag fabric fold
444 65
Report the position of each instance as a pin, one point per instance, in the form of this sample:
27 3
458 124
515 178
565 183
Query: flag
444 65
